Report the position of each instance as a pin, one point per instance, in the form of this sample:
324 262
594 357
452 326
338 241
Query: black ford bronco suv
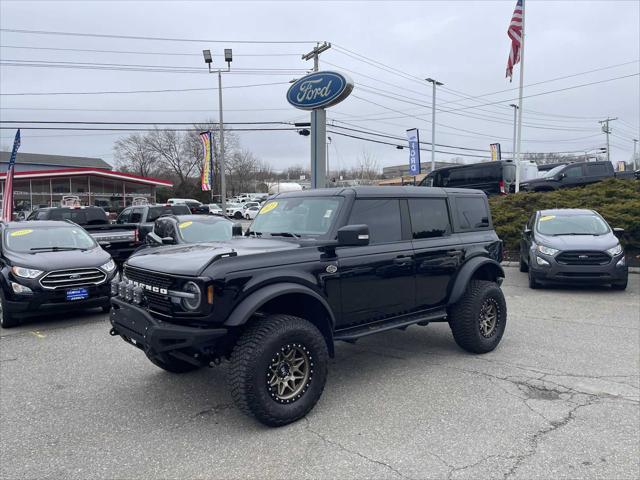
315 267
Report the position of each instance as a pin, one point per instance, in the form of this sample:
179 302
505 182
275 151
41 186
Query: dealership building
42 180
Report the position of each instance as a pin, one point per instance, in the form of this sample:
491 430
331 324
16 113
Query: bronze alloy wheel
289 373
489 317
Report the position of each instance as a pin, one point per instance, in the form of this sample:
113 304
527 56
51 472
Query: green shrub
618 201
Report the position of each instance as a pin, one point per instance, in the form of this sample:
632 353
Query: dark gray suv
572 246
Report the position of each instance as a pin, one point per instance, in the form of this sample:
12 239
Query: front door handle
454 253
403 260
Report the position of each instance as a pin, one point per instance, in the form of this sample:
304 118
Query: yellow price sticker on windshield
19 233
547 217
268 207
185 224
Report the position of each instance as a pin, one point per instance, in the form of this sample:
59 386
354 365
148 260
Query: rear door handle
403 260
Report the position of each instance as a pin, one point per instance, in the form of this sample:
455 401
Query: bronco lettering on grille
150 288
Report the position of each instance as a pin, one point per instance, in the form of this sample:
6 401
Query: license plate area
75 294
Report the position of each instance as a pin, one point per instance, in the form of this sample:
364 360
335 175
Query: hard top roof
378 191
566 212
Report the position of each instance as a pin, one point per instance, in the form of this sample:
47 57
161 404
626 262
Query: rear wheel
479 319
171 364
278 369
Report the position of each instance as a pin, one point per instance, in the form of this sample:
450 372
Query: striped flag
7 194
207 160
515 34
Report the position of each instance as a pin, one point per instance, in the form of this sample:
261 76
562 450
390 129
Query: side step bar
353 333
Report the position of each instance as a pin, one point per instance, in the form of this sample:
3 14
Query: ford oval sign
319 90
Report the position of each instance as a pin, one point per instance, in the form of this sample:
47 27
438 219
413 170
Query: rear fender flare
467 272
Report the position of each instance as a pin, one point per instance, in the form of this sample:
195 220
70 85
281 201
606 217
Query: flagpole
518 147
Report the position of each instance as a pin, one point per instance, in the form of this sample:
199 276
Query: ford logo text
319 90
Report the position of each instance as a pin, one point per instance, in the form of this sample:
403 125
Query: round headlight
192 303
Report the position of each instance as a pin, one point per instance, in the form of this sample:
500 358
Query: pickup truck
573 175
144 216
118 240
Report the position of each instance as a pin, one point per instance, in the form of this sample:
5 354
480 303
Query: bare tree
173 151
133 155
368 167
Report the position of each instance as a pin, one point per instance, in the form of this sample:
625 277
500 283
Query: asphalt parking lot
559 398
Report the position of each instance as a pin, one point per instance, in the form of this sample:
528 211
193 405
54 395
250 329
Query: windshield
28 240
553 171
297 216
193 231
587 224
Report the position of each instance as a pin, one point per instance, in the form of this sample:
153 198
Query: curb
516 264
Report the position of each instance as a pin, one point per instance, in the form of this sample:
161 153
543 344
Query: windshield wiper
559 234
55 249
284 234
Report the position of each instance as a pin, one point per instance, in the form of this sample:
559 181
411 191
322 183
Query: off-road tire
254 353
533 283
464 317
7 320
620 285
524 268
171 364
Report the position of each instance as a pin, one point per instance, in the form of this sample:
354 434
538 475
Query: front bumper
578 274
137 327
42 301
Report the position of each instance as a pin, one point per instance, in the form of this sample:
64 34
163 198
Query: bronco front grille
73 278
156 301
583 258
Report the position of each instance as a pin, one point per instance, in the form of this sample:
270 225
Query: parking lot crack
328 441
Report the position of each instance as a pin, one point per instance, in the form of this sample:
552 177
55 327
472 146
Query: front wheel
533 283
523 266
278 369
479 319
237 215
7 320
620 286
247 217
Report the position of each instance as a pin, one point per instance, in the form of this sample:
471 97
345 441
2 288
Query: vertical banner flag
7 197
207 160
515 34
414 151
496 154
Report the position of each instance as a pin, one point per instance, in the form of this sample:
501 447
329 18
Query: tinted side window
381 215
429 217
136 216
96 216
597 170
472 213
509 173
124 216
573 172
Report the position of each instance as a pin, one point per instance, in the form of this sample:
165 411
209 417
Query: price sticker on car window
547 217
268 207
185 224
20 233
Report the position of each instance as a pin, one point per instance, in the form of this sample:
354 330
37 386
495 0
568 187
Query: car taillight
503 191
136 235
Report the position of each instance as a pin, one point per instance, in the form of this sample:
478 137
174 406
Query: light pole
228 57
433 122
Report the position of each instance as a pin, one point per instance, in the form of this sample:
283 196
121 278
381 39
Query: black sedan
572 246
50 266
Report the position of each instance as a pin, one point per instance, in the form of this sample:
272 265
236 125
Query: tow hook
113 332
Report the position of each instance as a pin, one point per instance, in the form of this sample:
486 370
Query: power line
66 122
174 110
145 91
138 52
111 129
165 39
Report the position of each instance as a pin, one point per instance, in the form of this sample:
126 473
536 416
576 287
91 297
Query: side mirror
236 230
618 231
353 236
153 239
527 231
561 176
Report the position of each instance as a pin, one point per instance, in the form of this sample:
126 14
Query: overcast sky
463 44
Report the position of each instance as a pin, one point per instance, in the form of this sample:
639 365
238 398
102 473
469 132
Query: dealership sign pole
413 136
316 92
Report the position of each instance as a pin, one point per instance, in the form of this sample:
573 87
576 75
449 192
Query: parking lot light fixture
207 56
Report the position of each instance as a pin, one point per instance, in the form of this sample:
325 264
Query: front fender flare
247 307
466 273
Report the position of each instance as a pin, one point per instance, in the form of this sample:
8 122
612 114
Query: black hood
579 242
64 260
192 259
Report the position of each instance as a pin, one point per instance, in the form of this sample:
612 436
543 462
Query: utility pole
228 57
636 161
607 131
433 122
318 128
515 122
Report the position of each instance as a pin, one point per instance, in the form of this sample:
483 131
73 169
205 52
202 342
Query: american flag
515 34
7 194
